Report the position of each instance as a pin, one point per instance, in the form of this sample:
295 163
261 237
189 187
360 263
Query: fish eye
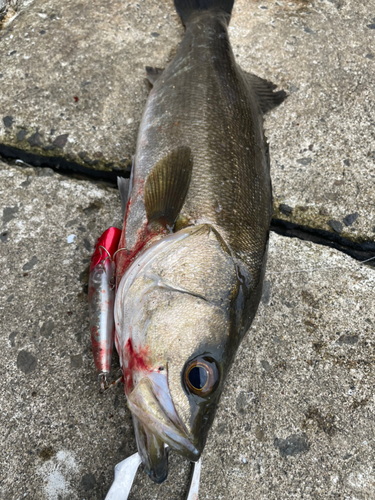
201 376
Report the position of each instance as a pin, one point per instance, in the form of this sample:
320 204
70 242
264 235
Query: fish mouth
157 426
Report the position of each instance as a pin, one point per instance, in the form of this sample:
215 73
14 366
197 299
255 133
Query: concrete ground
296 420
73 90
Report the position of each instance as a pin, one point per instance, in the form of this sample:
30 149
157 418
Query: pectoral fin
167 186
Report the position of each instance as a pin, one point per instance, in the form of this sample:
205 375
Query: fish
192 254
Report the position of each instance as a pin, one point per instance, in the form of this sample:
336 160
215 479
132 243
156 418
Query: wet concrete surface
73 90
73 77
296 419
322 141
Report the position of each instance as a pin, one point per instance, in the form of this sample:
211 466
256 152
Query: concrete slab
296 419
322 138
72 76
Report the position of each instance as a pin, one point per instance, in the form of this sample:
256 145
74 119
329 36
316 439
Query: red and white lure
102 291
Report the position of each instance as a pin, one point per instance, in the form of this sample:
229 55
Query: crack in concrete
360 251
63 165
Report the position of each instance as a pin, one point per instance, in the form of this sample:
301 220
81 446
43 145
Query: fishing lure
101 302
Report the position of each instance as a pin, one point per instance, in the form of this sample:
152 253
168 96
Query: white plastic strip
125 473
194 485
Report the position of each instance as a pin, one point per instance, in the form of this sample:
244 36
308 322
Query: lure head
177 326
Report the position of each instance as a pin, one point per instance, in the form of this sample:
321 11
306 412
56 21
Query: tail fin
185 8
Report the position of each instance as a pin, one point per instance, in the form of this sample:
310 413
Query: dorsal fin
264 90
167 185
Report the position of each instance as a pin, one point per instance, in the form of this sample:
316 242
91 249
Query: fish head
177 332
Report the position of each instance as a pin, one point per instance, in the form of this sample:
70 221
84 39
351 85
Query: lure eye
201 376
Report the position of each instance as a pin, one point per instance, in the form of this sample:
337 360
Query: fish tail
185 8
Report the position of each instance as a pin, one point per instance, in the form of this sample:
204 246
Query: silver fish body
195 234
